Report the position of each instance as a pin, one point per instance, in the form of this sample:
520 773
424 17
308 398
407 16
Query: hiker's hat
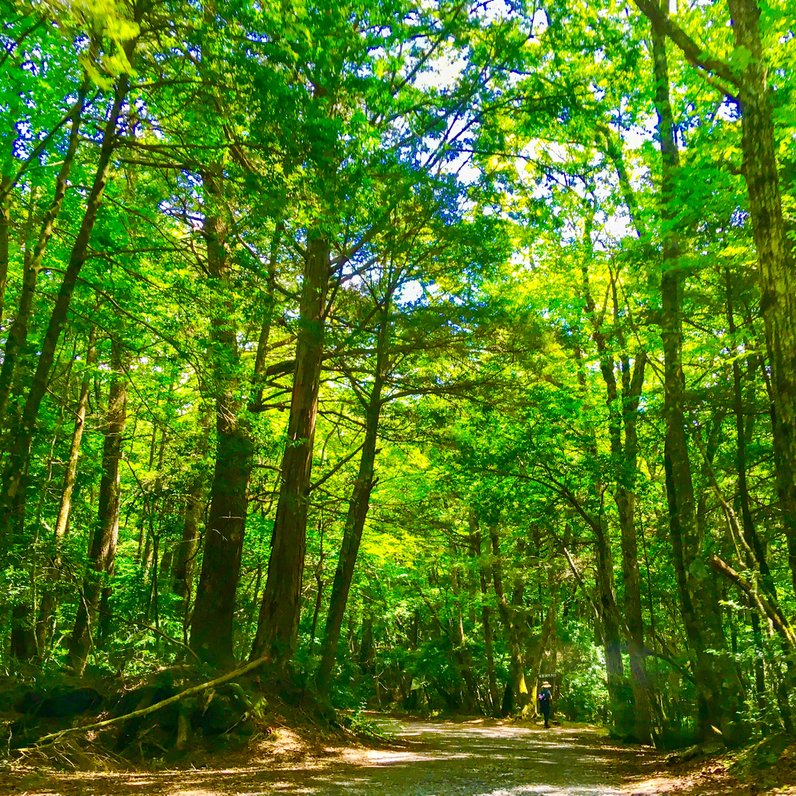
546 684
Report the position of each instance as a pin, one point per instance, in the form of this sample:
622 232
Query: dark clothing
545 704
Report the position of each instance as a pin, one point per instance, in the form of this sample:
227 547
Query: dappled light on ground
439 758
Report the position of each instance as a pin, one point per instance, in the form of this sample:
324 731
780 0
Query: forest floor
478 757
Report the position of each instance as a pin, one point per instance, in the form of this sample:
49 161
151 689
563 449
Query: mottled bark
748 85
277 626
776 265
484 576
212 620
610 624
461 653
715 675
625 499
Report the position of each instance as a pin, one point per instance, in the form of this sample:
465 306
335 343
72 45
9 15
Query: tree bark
357 513
18 332
212 621
519 687
625 500
774 252
103 545
277 626
715 675
622 416
461 654
484 575
5 224
188 546
621 704
49 603
775 255
12 498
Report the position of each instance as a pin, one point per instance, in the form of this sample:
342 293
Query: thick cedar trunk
717 681
277 626
212 621
774 253
103 544
46 623
355 519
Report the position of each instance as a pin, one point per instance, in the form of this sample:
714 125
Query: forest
413 352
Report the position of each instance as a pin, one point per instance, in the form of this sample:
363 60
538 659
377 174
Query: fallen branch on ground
195 689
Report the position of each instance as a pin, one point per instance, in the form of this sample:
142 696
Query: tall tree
720 690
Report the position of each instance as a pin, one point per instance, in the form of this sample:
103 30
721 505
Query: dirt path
477 758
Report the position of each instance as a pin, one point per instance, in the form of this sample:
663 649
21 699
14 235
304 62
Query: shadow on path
481 757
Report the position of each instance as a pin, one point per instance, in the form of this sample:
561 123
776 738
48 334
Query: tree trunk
486 616
538 650
625 502
621 704
774 253
18 333
715 675
49 604
461 654
5 223
277 626
519 696
622 417
213 614
12 498
357 514
103 545
188 546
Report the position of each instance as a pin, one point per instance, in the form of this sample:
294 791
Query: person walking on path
545 702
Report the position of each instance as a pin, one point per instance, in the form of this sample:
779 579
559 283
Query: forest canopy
420 349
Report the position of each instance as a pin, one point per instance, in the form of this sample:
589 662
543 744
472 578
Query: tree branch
693 53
